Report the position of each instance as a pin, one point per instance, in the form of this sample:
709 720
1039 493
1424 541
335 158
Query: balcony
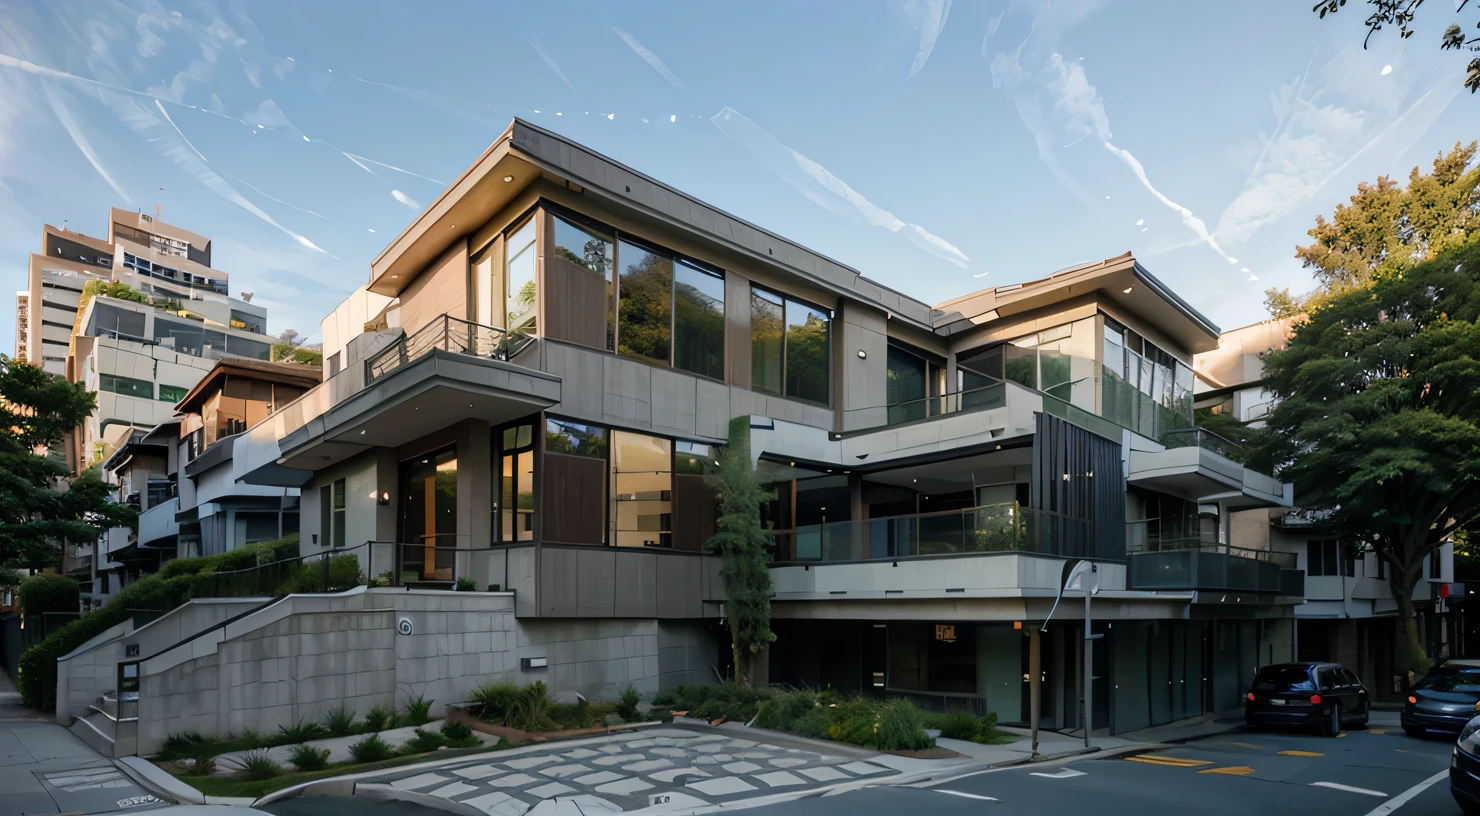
451 334
1205 439
157 525
1196 463
1199 564
997 528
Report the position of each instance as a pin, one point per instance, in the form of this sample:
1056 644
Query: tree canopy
1387 228
1379 417
1402 16
39 508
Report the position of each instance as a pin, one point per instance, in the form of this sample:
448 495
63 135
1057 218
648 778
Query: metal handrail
446 333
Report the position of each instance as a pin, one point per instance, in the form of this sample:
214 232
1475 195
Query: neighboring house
1349 615
140 467
560 345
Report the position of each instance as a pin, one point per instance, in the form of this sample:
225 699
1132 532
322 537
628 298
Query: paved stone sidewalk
664 766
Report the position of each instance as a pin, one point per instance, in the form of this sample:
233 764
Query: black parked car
1445 700
1320 694
1464 769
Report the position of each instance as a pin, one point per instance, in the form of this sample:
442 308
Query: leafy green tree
1387 228
39 508
1378 423
741 541
1402 14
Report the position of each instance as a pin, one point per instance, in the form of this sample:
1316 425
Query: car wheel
1332 726
1414 731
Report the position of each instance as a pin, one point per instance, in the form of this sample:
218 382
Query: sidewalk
10 704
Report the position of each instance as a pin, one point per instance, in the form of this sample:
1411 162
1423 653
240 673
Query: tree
39 508
1378 422
1387 228
1400 14
290 338
741 541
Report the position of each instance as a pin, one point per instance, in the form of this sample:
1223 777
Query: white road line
967 795
1348 788
1067 773
1401 799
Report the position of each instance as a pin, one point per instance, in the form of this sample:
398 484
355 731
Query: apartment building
1348 614
56 277
560 345
22 324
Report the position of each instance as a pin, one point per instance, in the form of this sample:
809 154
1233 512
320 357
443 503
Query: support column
856 512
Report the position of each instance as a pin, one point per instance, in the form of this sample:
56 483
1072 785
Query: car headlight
1469 738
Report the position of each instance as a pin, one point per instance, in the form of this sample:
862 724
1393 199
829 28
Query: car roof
1469 664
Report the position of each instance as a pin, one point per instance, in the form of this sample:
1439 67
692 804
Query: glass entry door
430 516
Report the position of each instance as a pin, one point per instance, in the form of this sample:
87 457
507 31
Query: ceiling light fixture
1128 289
508 179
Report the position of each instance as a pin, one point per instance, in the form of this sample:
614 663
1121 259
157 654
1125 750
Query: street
1237 773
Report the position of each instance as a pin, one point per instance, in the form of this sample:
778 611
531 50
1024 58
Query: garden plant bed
517 737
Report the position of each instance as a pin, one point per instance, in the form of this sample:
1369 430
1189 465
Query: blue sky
937 147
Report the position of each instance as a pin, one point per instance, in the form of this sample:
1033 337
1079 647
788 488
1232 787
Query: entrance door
431 515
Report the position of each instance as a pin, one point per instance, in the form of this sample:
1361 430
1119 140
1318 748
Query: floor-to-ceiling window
906 384
429 516
699 320
790 347
642 490
645 313
575 481
1144 388
579 285
515 506
521 296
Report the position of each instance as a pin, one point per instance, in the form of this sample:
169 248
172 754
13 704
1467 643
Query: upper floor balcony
1204 564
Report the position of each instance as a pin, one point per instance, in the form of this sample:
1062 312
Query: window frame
786 301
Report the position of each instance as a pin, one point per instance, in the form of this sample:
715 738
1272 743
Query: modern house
564 342
1349 615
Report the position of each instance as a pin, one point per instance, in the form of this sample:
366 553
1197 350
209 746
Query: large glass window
245 320
807 352
127 386
515 507
905 385
645 316
575 439
488 288
575 475
699 320
585 291
642 490
1144 388
766 341
172 393
521 296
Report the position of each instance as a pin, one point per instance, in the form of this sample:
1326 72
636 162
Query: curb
159 782
932 778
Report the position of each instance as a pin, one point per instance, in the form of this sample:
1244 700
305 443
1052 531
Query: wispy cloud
929 17
64 115
650 58
405 199
818 184
549 61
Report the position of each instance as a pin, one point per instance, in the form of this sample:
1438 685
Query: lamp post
1083 576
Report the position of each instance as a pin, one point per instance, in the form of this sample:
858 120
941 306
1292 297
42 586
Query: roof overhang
1199 474
1121 281
432 392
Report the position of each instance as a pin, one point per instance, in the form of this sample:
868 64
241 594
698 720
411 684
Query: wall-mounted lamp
862 355
316 539
385 498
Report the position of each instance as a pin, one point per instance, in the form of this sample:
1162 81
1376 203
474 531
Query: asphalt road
1238 773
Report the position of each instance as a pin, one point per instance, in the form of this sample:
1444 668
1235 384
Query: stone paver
623 773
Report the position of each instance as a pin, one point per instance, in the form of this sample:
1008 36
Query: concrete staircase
110 726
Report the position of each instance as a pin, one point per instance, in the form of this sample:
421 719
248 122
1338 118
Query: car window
1330 679
1452 678
1352 679
1284 678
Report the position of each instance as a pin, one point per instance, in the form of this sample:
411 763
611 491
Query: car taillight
1315 699
1251 696
1412 699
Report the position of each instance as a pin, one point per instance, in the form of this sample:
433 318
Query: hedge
49 593
269 568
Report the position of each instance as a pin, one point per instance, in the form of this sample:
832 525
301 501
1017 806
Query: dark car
1464 769
1324 695
1446 700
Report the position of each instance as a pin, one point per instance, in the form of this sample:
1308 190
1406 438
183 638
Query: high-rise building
22 324
142 345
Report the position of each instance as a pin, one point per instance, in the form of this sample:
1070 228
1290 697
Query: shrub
340 573
958 725
498 700
899 727
534 708
418 710
459 735
302 732
380 718
738 703
780 713
309 758
371 749
527 709
176 582
49 593
252 739
258 765
466 584
627 706
340 721
422 742
181 745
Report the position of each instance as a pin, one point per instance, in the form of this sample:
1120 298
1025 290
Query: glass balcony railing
1205 439
976 399
446 333
986 529
1198 563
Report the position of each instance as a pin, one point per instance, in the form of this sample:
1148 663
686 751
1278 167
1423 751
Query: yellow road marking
1342 734
1249 745
1301 753
1176 762
1231 770
1371 730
